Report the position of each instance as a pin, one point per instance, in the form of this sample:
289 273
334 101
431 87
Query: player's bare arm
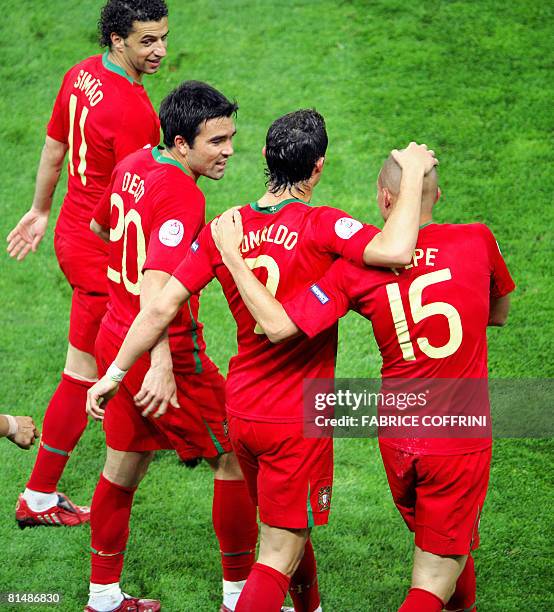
395 245
20 430
498 311
30 229
145 331
158 387
266 310
101 231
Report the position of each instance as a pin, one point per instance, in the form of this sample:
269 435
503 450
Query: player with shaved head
389 182
430 319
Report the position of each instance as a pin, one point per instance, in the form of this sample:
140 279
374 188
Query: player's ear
181 145
387 198
439 193
319 164
263 150
117 41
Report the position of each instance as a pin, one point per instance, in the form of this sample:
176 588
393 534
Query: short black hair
188 106
293 145
118 16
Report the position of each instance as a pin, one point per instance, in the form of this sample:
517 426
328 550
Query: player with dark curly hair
102 113
119 16
137 25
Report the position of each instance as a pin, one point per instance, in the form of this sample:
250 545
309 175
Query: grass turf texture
469 78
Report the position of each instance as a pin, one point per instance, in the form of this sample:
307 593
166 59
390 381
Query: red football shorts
197 429
439 497
289 477
85 267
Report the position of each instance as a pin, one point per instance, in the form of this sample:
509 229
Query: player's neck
292 193
425 218
120 60
174 154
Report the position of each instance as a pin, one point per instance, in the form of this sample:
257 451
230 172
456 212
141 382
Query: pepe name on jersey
420 258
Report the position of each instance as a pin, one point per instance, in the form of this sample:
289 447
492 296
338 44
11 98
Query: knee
126 469
437 573
226 467
294 561
282 549
80 365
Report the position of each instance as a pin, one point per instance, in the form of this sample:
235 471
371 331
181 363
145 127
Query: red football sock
465 593
419 600
109 526
264 591
64 422
236 528
303 585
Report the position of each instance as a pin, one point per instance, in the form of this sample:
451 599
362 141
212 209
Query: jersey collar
270 210
117 69
162 159
426 224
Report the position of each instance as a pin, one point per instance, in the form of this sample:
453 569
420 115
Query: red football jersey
287 246
103 115
154 211
429 318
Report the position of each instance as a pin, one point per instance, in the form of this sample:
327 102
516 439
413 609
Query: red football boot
64 513
224 608
134 604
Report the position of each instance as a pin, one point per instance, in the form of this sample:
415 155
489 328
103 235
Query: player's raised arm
30 229
146 329
266 310
394 245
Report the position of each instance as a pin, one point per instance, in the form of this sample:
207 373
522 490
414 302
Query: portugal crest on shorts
324 499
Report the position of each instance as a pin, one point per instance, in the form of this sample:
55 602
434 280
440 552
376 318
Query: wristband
13 427
115 374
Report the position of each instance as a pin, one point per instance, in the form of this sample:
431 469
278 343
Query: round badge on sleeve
346 227
171 233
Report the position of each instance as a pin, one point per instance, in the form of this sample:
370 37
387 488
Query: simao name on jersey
90 86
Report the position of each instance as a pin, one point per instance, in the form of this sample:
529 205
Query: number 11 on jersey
83 148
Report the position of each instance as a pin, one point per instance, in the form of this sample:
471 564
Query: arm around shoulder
266 309
282 329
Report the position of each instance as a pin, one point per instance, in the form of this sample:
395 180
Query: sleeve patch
320 294
171 233
346 227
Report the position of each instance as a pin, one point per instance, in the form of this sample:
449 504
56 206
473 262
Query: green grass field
470 78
